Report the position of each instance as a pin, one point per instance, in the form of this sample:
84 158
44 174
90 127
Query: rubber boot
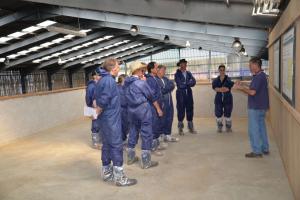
219 124
180 128
121 179
96 141
155 146
228 124
131 157
146 161
191 127
107 173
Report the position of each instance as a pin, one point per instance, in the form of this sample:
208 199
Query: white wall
23 116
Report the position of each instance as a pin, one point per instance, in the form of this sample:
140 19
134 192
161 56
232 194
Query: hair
94 73
150 66
109 64
161 66
121 78
221 66
256 60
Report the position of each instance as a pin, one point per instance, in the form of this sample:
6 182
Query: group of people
141 106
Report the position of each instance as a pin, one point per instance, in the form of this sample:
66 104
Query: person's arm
245 89
151 96
89 95
192 81
179 83
103 94
217 89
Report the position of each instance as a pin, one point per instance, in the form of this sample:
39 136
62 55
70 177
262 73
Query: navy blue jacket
182 83
89 95
152 82
167 86
221 97
123 100
137 92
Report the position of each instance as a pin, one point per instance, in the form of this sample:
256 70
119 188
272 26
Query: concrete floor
59 164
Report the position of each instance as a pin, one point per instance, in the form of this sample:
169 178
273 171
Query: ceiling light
17 34
24 52
134 30
187 44
2 60
31 29
12 56
56 54
87 44
59 40
237 45
66 51
5 39
46 58
37 61
69 36
108 37
46 23
166 38
47 44
35 48
85 31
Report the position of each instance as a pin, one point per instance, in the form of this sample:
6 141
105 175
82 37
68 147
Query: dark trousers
167 118
185 105
140 121
223 109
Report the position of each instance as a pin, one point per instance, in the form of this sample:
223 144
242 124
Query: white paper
288 64
90 112
276 60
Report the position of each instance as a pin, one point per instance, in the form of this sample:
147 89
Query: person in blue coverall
184 96
89 98
156 108
138 96
124 112
109 119
223 99
167 86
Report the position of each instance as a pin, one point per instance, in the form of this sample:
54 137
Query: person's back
89 96
261 99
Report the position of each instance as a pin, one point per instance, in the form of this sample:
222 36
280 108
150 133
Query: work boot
107 173
180 128
121 179
146 160
228 124
169 138
219 124
155 146
191 127
131 157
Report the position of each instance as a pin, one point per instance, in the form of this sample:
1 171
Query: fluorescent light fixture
109 46
24 52
187 44
77 47
36 48
126 41
80 56
31 29
89 53
108 37
2 60
67 51
37 61
46 23
83 62
85 31
59 40
56 54
12 56
17 34
98 50
5 39
92 59
46 44
98 40
46 58
87 44
69 36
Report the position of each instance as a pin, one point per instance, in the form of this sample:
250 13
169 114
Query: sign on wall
276 61
288 75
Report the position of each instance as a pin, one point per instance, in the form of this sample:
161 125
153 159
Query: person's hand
94 104
143 78
238 86
98 110
160 113
225 89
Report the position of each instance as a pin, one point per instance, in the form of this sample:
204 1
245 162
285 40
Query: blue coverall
223 101
108 98
167 86
139 95
124 112
89 97
184 95
156 120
